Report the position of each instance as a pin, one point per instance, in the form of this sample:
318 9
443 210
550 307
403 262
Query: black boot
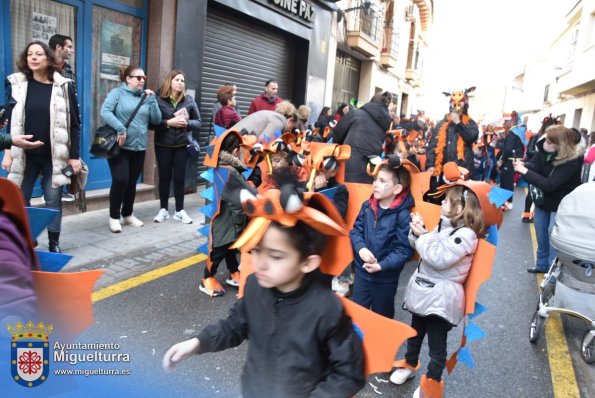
54 239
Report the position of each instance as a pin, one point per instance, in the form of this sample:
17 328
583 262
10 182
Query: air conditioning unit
410 13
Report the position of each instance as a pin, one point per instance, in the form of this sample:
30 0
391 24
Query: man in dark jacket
64 48
452 139
364 130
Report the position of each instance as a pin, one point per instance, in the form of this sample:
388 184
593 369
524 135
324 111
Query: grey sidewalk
134 251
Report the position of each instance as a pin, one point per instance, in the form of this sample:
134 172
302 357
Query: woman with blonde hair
127 166
180 118
268 123
555 170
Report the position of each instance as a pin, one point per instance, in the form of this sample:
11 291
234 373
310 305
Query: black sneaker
66 197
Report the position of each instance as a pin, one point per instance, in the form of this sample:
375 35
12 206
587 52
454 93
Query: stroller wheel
536 326
588 347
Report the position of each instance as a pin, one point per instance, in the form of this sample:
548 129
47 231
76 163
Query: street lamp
366 6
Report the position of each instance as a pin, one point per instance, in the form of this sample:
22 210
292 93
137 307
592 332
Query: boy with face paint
379 241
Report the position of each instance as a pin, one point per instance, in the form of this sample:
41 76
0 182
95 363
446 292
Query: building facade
563 82
321 52
244 42
380 46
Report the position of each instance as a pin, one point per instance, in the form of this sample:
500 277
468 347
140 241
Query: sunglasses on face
139 78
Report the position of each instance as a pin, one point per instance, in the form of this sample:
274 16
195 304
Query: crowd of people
279 161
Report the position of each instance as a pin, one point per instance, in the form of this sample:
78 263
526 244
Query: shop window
116 43
40 20
132 3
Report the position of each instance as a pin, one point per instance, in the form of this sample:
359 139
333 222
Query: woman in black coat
180 117
364 130
556 170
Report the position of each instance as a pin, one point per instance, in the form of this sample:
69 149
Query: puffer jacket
364 130
265 123
555 178
436 287
63 115
117 108
174 136
469 133
384 236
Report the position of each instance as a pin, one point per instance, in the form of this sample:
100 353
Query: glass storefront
116 41
40 20
105 37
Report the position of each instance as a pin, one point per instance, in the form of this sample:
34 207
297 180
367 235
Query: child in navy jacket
379 240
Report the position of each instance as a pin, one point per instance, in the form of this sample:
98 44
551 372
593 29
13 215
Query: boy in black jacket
302 344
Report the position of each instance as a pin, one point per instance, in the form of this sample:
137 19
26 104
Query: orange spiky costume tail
64 298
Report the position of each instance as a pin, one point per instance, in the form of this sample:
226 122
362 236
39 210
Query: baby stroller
569 285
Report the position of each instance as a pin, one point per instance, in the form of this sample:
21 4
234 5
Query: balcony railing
369 25
391 42
390 48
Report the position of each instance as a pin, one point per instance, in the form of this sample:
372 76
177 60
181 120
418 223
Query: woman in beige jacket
47 109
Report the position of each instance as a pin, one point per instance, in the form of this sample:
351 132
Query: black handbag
536 195
193 147
105 143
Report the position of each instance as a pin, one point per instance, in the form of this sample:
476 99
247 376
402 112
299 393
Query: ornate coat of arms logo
30 353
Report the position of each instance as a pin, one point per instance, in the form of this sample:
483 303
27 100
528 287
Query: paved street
148 318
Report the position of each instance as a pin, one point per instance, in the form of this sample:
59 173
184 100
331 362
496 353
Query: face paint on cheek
384 187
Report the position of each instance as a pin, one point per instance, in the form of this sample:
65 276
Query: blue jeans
544 222
34 166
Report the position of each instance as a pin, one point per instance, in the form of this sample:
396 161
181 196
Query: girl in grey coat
435 295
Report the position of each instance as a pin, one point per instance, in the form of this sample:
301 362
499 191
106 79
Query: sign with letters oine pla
300 8
29 353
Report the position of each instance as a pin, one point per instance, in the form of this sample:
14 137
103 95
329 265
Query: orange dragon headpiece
321 156
214 148
393 161
265 147
397 139
459 100
455 175
287 206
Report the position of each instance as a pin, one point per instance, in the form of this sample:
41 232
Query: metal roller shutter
245 53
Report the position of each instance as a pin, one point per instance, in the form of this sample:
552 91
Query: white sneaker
234 279
161 216
182 217
132 220
401 375
416 392
114 225
508 205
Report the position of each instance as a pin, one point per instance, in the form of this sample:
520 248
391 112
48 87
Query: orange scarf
442 144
